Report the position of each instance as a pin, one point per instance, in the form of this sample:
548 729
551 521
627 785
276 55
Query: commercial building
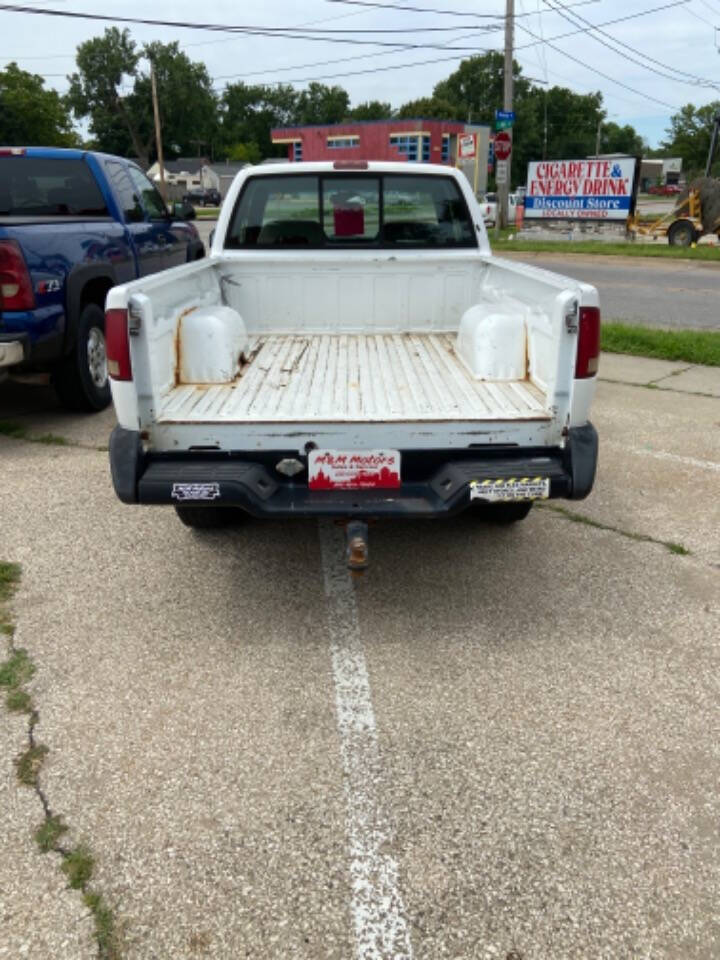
414 140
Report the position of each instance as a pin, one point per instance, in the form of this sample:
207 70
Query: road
500 744
652 292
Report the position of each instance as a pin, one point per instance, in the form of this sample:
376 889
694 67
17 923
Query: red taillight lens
117 344
588 345
16 291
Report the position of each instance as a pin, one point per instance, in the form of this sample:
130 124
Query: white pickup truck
352 348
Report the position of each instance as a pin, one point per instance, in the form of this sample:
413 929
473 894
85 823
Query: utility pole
597 138
504 188
158 133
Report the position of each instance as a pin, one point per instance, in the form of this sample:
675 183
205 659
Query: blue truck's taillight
16 291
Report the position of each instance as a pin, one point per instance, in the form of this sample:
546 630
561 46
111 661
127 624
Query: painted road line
711 465
378 913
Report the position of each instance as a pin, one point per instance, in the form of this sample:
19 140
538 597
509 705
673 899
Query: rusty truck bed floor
391 377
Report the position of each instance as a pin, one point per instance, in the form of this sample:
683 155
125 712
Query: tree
475 89
30 115
433 108
322 104
244 153
617 139
95 92
188 106
372 110
249 112
689 137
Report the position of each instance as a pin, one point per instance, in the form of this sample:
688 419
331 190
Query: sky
670 56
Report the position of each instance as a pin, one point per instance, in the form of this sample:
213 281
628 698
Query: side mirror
183 211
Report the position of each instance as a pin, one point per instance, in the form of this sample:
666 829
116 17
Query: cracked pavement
545 700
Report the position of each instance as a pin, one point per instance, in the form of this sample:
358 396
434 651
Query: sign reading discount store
580 189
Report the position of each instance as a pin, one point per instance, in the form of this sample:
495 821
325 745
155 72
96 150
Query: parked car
488 207
72 225
205 197
665 189
403 371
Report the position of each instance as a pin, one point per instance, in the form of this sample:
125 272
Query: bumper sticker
195 491
512 488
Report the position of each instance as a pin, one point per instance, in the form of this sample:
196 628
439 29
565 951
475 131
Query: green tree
95 92
187 104
244 153
372 110
30 115
617 139
475 89
322 104
433 108
689 137
249 112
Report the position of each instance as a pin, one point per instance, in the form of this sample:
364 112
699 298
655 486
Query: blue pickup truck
73 224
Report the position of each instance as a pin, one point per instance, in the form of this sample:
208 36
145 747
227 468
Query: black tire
504 513
81 380
682 234
209 518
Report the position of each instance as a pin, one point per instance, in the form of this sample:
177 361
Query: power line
453 13
574 18
600 73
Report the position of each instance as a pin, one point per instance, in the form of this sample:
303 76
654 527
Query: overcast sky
680 40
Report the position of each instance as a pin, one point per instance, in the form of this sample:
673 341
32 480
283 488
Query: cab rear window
338 210
45 187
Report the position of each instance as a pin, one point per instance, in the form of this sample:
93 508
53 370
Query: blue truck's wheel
81 381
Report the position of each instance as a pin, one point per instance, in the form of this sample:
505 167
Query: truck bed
402 377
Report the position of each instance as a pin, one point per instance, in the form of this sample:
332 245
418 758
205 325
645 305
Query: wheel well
95 291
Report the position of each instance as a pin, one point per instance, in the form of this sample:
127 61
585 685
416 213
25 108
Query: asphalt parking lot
500 743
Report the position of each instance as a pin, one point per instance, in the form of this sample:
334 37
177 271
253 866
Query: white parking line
381 929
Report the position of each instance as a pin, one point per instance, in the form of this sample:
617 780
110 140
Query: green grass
78 867
9 577
689 346
48 835
19 701
28 764
663 251
676 548
17 432
16 670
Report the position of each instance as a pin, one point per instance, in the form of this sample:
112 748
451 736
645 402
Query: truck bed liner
406 377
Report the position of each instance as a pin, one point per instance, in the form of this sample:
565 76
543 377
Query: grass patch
19 701
78 867
663 251
16 431
48 835
29 764
9 577
16 670
690 346
676 548
106 933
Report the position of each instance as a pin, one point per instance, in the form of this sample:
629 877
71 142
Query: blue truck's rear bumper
434 483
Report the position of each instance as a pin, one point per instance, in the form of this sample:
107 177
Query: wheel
81 381
209 518
505 512
682 234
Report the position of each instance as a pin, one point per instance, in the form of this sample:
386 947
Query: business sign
580 189
466 145
503 145
504 119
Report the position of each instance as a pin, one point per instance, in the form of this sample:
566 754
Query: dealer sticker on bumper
510 488
354 469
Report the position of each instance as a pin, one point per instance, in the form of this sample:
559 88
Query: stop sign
503 145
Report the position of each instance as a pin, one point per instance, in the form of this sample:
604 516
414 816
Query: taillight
117 344
588 344
16 291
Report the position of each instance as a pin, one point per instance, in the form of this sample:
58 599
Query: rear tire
209 518
505 513
81 380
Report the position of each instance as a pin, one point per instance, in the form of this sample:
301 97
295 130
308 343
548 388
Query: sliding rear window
44 187
339 210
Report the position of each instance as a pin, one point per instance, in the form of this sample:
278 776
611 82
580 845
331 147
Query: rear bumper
434 483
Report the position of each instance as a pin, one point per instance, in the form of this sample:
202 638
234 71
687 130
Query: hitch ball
356 549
